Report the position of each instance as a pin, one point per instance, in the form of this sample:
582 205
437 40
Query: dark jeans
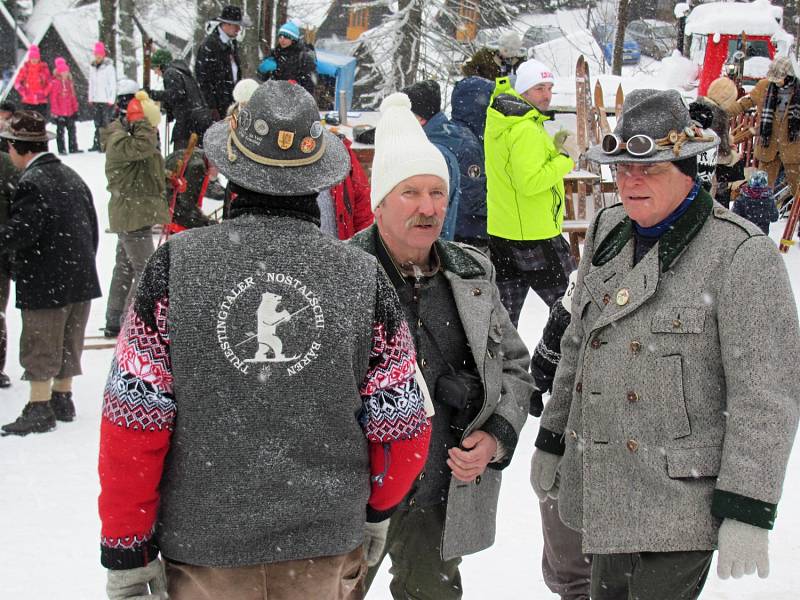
42 109
418 571
101 114
4 290
541 265
650 575
66 125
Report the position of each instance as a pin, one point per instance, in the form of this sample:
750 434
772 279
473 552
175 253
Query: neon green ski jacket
524 171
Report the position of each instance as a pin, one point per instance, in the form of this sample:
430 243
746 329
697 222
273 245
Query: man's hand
148 582
566 143
743 548
374 541
478 449
544 474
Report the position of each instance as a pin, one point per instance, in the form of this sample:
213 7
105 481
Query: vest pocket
670 382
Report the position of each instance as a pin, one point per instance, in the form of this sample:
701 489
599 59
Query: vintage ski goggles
642 145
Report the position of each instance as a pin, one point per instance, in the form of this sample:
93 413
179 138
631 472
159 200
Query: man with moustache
470 355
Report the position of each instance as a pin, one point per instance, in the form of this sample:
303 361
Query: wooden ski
618 102
601 108
105 346
580 104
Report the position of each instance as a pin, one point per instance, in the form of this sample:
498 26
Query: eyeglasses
633 170
639 145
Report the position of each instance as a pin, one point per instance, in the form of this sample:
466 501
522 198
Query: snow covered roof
43 13
308 13
165 20
754 18
78 28
10 20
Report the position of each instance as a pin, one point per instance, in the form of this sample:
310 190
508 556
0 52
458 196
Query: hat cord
272 162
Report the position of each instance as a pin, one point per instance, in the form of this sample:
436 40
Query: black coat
52 232
214 74
297 62
183 101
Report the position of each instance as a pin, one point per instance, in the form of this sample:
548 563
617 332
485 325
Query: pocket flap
679 319
684 463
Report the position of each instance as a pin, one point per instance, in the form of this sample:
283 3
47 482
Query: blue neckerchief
659 229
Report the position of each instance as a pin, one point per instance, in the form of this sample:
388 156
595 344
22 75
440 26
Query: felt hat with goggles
276 144
655 127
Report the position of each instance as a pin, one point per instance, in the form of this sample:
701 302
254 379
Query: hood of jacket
469 102
180 65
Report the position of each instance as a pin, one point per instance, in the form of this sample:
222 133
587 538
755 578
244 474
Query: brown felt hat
27 126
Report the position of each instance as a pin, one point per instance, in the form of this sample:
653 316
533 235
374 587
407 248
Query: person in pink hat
102 91
33 82
64 106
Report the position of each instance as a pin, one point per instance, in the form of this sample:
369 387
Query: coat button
632 445
412 502
476 291
606 298
579 387
423 363
623 296
596 343
478 480
636 346
490 354
632 397
573 434
421 476
676 324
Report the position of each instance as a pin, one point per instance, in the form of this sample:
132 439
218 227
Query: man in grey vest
262 402
472 359
672 413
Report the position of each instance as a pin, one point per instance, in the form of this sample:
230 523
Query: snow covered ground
48 483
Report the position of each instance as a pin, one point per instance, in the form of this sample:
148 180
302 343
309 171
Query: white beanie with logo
402 149
531 73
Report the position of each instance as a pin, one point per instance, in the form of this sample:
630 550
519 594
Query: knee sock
62 385
40 391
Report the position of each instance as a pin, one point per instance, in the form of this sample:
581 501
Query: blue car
604 35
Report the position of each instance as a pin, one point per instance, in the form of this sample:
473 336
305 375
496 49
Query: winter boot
63 408
5 380
36 417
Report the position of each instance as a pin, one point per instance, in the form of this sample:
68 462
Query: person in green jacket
136 180
8 183
525 171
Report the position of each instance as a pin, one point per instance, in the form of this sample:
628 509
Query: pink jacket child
63 101
33 81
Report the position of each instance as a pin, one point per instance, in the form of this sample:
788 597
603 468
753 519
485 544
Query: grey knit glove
544 474
133 584
743 548
374 541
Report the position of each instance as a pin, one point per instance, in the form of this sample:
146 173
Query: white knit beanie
531 73
402 149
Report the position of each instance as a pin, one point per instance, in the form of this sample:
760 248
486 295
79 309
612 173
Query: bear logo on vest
269 319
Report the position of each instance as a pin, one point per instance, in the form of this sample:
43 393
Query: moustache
422 220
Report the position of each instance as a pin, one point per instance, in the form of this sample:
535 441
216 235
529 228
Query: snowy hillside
48 483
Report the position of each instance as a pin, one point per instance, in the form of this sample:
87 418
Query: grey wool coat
502 360
673 404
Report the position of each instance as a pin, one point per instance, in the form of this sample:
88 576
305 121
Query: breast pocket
679 319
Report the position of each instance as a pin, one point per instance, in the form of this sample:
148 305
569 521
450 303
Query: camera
463 392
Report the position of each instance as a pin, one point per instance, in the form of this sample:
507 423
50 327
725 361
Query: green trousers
413 545
650 575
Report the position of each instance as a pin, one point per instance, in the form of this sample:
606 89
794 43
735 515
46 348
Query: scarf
657 230
768 112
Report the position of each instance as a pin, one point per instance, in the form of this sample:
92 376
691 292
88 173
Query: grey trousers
4 290
133 250
566 570
418 571
650 575
51 343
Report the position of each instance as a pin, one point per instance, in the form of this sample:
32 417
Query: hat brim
8 135
689 149
329 170
244 22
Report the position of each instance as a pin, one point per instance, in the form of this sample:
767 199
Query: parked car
604 34
655 38
539 34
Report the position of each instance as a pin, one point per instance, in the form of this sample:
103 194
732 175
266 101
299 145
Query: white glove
742 549
133 584
565 141
374 541
544 474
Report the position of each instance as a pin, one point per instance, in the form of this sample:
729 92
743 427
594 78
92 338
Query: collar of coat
454 258
670 245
